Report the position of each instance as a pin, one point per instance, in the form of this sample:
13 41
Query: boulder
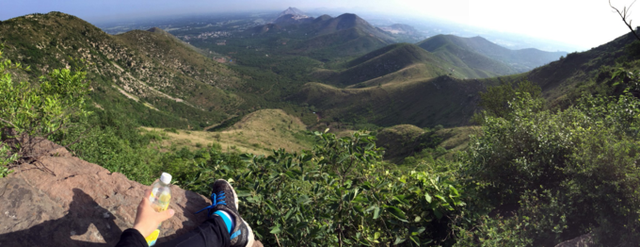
60 200
585 240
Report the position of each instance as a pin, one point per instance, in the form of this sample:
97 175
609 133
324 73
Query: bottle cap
165 178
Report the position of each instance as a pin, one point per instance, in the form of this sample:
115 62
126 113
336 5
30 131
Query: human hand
147 219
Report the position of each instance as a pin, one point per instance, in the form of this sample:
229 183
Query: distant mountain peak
297 14
292 16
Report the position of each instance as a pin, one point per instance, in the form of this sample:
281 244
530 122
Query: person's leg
211 233
224 227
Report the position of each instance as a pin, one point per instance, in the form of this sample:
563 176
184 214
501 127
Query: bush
339 193
566 173
6 159
495 101
172 130
31 110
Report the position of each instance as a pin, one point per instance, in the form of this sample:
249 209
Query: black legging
211 233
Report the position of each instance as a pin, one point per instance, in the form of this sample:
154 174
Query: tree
496 101
31 112
624 15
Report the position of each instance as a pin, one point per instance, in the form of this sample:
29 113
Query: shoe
224 197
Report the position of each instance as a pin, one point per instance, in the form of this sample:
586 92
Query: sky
584 23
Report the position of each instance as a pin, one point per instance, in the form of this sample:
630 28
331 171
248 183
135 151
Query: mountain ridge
293 11
152 66
324 35
521 60
384 61
586 69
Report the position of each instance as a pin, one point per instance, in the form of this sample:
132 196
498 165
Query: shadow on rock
85 220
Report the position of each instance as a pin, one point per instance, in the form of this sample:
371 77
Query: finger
145 200
147 193
167 214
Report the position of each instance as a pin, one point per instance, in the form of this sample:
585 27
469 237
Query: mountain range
159 80
353 35
519 60
292 16
317 37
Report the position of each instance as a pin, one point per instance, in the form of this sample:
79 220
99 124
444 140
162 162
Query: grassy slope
387 60
521 60
559 78
457 139
481 65
258 133
401 141
57 40
442 100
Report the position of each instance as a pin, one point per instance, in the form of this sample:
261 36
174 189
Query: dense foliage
534 177
38 110
341 194
557 175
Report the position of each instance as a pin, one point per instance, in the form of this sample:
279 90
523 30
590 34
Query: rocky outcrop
60 200
585 240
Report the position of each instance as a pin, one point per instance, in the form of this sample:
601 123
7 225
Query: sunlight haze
584 24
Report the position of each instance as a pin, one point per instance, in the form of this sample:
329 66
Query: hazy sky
587 23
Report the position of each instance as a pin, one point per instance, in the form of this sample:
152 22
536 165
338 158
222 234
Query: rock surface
61 200
585 240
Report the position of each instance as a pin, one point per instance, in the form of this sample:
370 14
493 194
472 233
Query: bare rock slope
61 200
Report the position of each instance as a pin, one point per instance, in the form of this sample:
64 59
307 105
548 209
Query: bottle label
162 203
153 237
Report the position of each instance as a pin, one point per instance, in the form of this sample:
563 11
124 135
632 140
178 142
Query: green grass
425 103
259 133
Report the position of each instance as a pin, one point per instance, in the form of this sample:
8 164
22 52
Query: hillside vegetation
148 76
563 81
324 38
522 60
442 100
481 65
560 173
384 61
532 175
258 133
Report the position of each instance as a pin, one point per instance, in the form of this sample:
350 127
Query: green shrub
6 159
172 130
495 101
31 110
339 193
568 172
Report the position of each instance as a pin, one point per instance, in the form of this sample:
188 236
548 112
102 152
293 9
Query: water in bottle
160 198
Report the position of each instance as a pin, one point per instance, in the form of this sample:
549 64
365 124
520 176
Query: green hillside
323 26
346 42
564 79
442 100
384 61
520 60
323 38
151 77
482 66
531 175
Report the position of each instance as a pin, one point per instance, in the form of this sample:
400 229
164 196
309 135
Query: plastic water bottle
160 198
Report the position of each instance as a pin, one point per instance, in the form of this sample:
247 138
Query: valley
339 130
